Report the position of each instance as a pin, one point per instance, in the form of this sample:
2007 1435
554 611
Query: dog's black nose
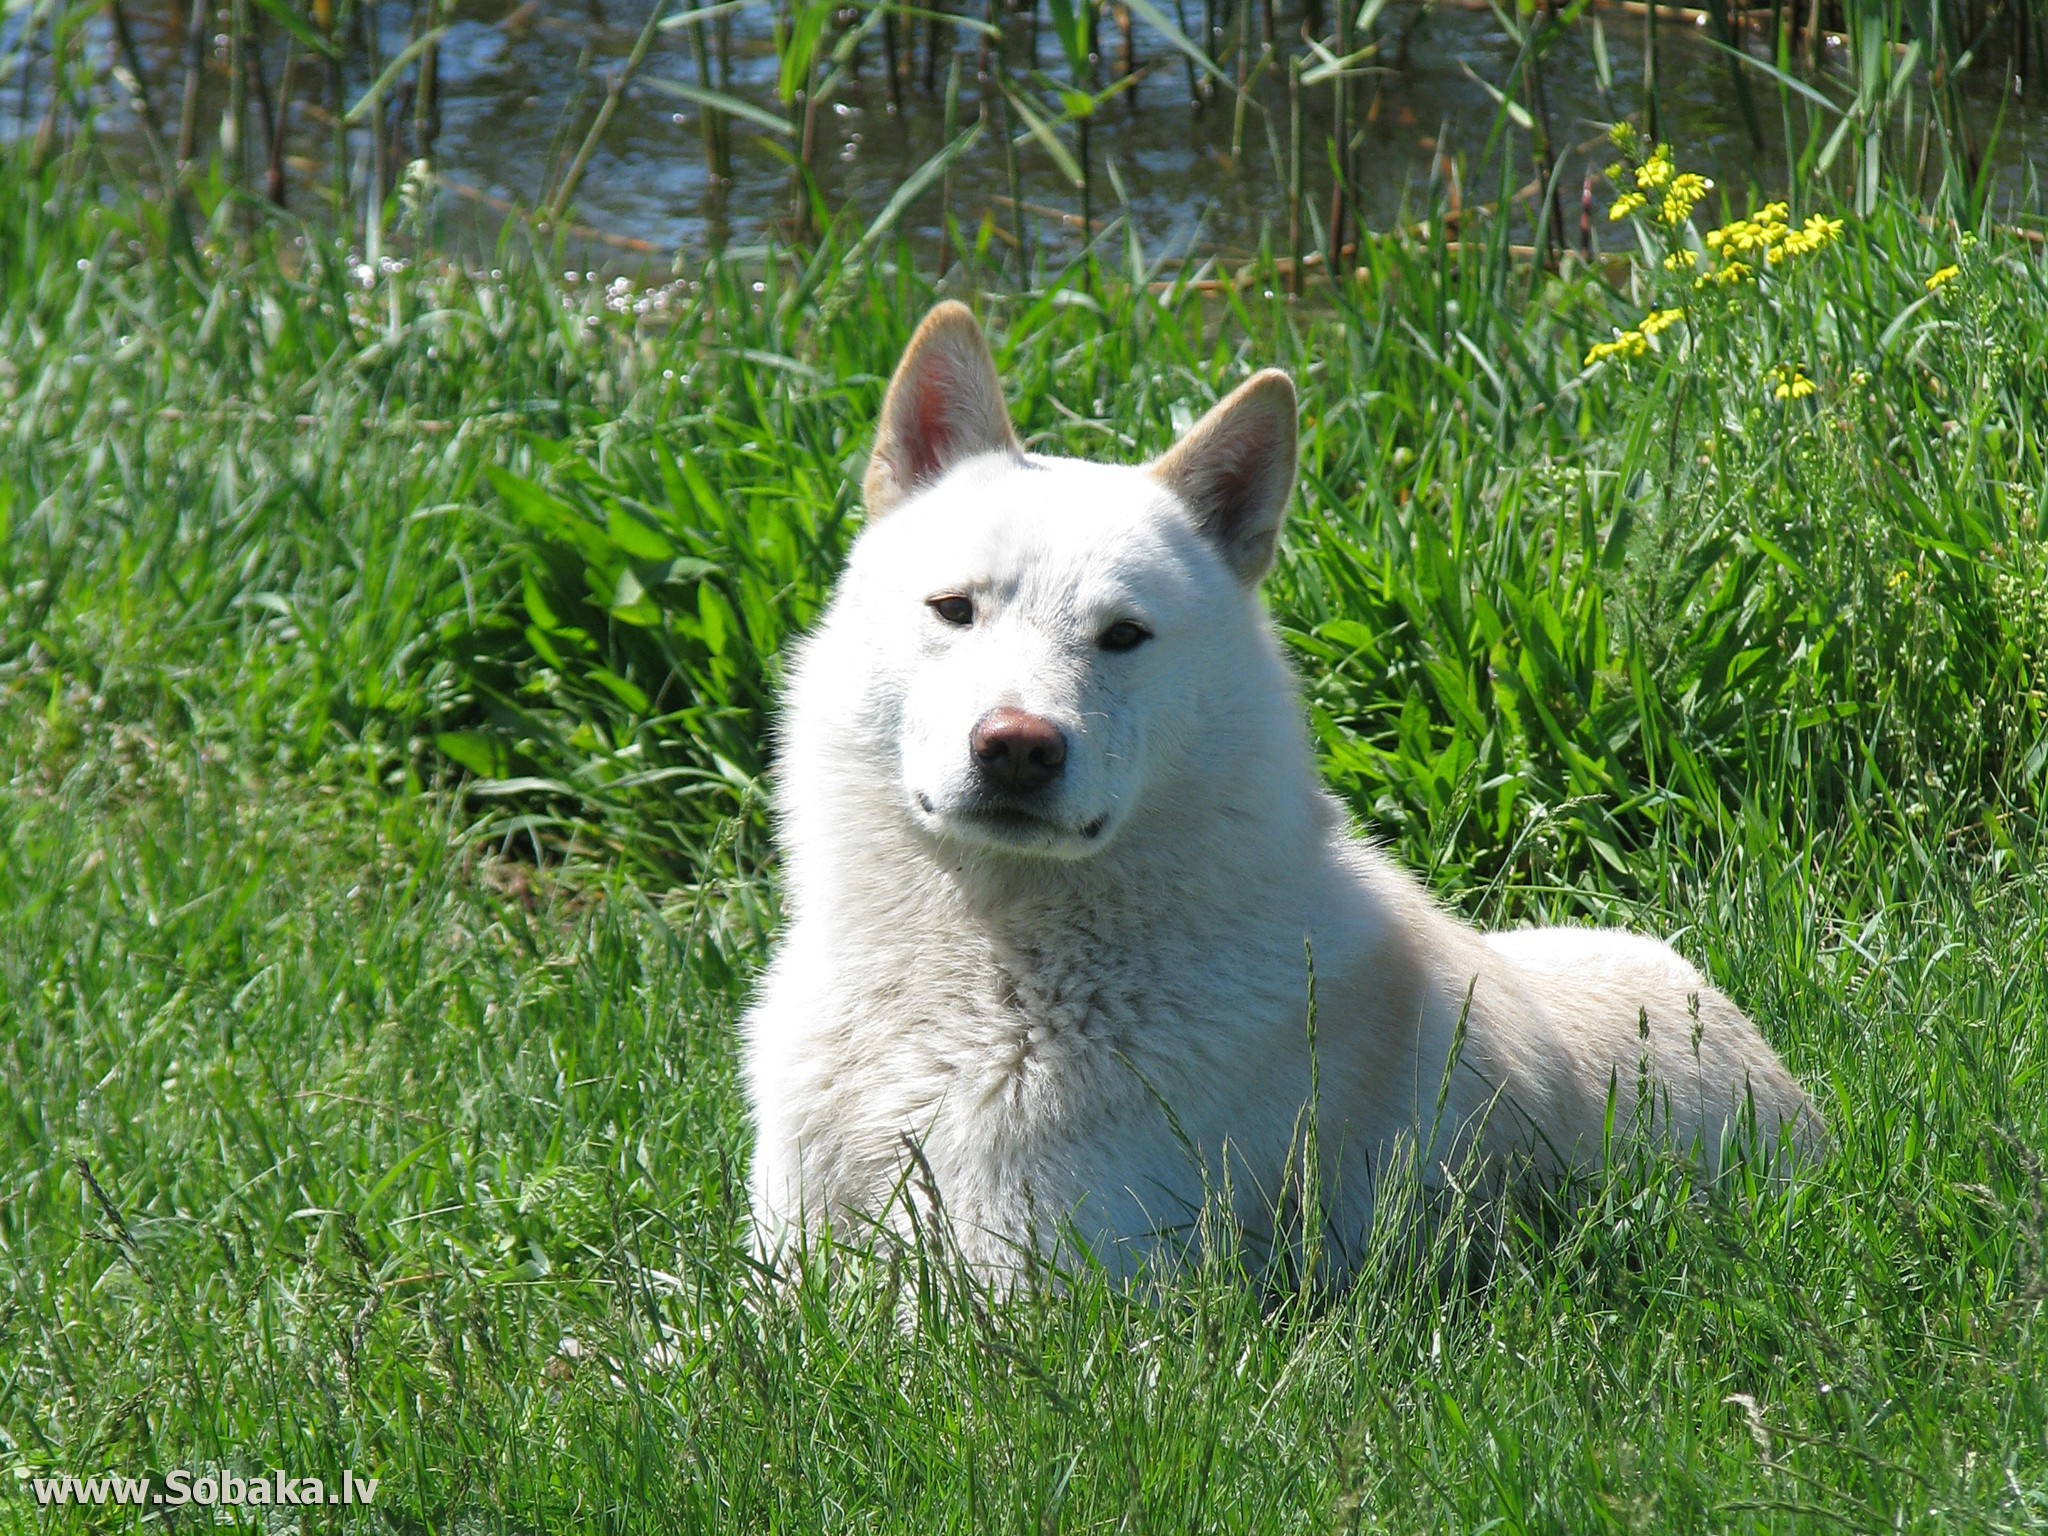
1016 750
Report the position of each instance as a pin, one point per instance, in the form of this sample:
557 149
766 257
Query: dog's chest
1037 1010
1040 1043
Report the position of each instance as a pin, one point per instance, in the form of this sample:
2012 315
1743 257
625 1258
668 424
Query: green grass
382 873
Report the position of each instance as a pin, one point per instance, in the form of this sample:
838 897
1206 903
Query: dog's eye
1124 635
953 608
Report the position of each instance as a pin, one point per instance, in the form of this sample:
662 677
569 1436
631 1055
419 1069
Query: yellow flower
1822 230
1772 213
1681 261
1656 170
1753 234
1945 276
1734 272
1899 578
1661 320
1790 383
1626 204
1614 171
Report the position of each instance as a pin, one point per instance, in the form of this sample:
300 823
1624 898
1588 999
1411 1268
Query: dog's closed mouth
1015 821
1010 818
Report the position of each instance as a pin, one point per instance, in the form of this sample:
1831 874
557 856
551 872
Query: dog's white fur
1088 1023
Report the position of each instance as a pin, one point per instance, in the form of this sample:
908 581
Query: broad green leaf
482 755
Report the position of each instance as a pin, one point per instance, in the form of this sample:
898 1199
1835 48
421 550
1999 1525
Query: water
1193 182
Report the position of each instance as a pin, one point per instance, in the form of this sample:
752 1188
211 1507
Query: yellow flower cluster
1942 278
1647 178
1747 235
1625 344
1807 239
1769 233
1681 190
1635 341
1788 383
1685 193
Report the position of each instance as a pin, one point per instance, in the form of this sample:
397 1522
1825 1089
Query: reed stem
621 78
195 66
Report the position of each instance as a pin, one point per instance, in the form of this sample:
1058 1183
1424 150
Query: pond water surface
518 84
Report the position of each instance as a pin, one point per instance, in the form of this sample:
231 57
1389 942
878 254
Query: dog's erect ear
1235 471
945 404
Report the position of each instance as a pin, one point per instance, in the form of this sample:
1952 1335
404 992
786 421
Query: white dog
1059 872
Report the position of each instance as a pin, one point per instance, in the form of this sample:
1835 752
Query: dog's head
1056 640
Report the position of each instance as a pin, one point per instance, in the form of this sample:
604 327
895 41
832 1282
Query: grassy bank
384 666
